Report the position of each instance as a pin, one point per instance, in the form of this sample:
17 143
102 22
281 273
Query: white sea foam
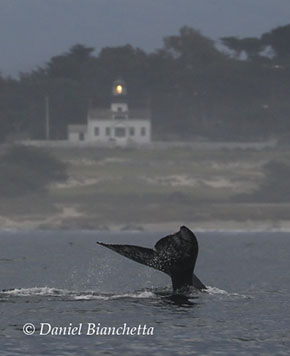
141 295
76 295
94 295
215 290
44 291
91 297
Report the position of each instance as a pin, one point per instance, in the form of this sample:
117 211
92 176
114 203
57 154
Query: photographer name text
88 329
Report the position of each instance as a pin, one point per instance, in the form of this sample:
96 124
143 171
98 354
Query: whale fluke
174 255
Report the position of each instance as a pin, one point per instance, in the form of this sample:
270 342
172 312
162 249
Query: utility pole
47 119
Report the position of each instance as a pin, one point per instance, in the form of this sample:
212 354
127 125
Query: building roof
77 128
104 114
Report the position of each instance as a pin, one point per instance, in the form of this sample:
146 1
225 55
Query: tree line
237 90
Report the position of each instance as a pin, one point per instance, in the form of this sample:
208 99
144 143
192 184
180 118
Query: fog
159 129
119 121
32 31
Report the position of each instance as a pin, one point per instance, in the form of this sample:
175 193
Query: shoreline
265 225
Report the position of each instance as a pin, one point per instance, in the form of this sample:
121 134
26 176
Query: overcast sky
32 31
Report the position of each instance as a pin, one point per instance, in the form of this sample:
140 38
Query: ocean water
62 294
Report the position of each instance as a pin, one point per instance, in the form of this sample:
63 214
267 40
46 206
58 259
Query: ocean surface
62 294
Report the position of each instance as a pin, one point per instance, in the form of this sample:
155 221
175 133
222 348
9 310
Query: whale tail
174 255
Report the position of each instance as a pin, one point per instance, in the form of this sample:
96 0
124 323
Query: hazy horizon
32 31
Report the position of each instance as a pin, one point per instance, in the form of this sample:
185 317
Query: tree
70 65
26 170
252 46
194 62
192 47
195 89
278 39
13 108
128 63
65 81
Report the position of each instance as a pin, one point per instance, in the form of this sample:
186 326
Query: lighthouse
119 124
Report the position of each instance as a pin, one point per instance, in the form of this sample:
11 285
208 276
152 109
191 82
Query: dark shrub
28 169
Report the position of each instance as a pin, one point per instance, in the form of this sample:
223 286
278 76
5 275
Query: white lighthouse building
118 124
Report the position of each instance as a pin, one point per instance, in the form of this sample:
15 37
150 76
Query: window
132 131
108 131
120 132
81 136
143 131
97 131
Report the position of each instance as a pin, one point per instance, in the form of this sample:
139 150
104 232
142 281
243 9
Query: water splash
76 295
154 293
216 291
35 291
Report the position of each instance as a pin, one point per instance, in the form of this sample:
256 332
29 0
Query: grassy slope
147 186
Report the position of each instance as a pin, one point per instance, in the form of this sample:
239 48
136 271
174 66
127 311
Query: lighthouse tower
118 124
119 104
